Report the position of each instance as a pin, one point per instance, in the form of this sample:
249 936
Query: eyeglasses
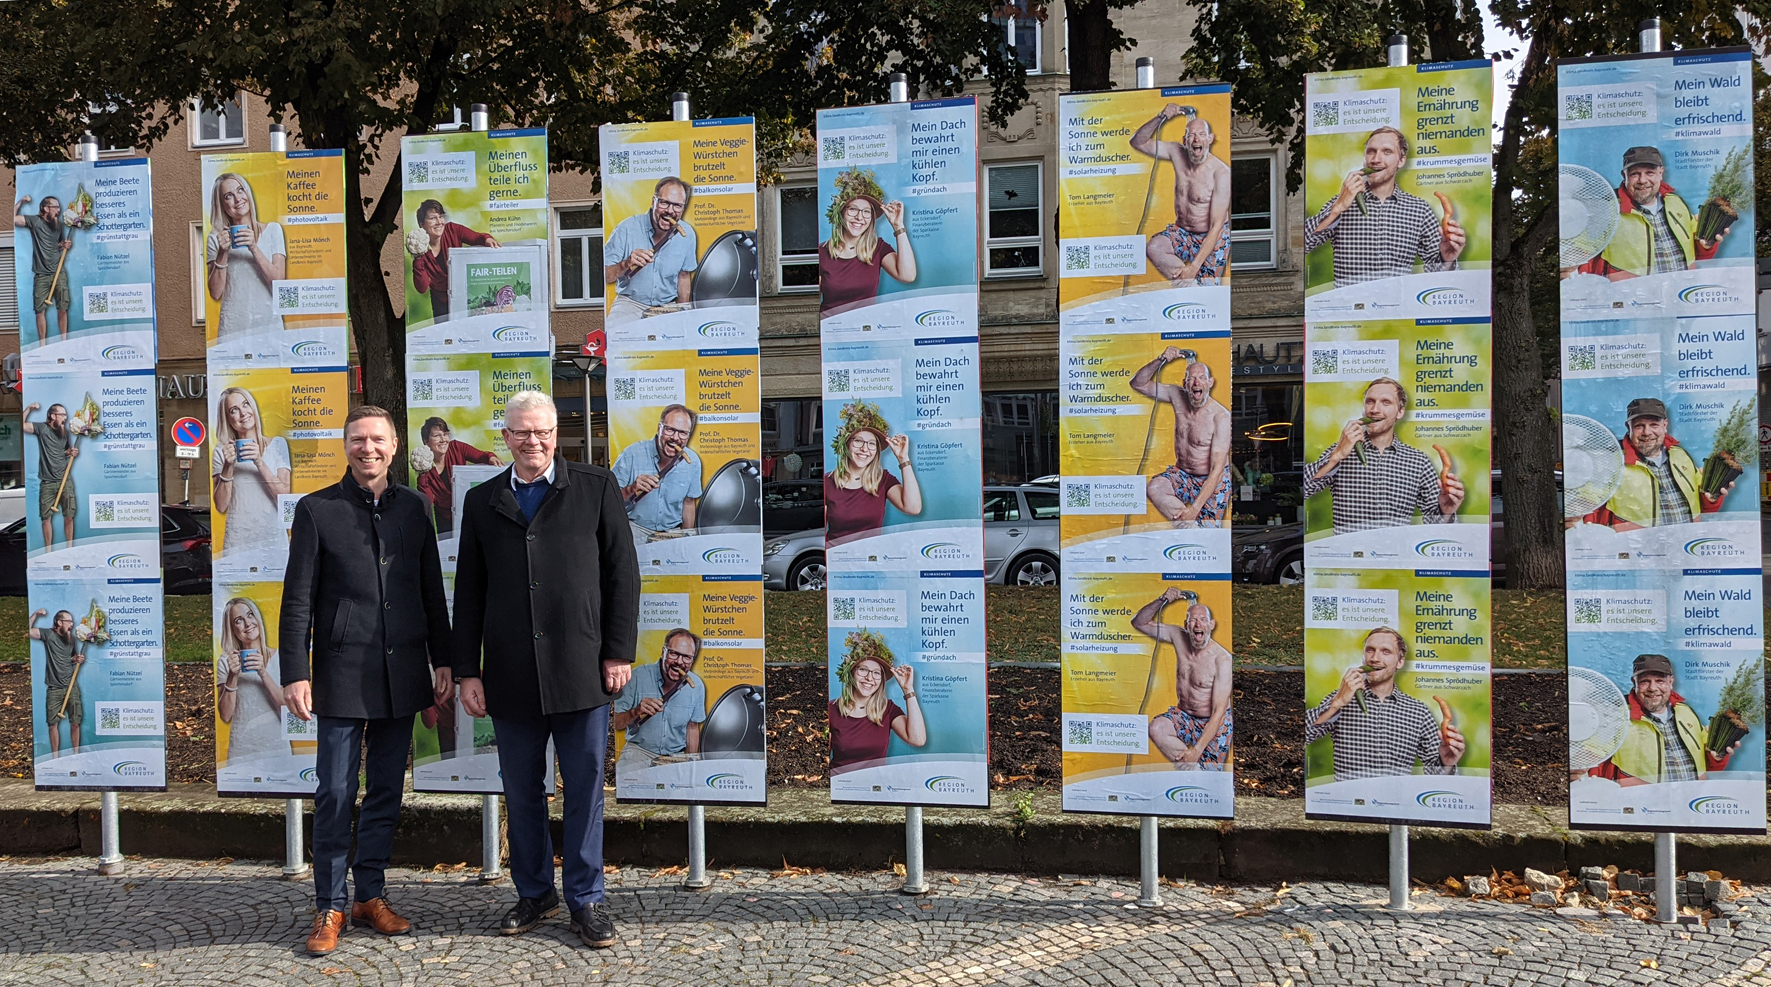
678 655
859 210
669 205
676 432
525 434
871 673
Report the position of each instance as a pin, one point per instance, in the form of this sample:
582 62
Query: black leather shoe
594 926
527 913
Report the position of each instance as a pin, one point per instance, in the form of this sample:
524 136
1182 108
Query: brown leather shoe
377 914
328 926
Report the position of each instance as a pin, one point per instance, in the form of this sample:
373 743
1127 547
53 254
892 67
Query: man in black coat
547 588
365 582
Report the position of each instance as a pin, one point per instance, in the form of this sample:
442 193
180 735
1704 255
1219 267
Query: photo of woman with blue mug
251 470
248 684
244 257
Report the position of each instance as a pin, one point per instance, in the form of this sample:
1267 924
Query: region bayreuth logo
722 555
1708 294
313 349
1718 805
947 785
1441 800
120 353
726 781
1713 548
944 551
1186 312
939 318
1443 297
720 329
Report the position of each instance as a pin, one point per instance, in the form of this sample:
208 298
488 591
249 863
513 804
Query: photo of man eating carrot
1378 730
1376 229
1378 481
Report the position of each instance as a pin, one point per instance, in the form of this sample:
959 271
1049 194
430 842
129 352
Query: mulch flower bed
1529 764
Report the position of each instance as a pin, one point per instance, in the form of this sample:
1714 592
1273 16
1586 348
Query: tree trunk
380 335
1090 45
1528 444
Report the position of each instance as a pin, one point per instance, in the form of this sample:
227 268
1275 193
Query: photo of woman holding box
248 683
857 491
862 719
850 261
251 471
244 257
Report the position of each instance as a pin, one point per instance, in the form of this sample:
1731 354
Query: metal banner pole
1666 878
1148 895
490 868
110 861
679 106
697 878
295 866
915 882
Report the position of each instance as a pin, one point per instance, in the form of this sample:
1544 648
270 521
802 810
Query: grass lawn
1023 626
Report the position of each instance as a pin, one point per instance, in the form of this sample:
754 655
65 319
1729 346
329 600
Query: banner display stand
1660 409
88 341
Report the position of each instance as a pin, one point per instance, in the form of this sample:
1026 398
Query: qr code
842 608
1326 113
1325 362
104 511
1325 608
618 162
1577 106
288 296
1589 612
418 172
295 726
1079 495
289 511
836 381
1585 357
1076 257
422 389
835 148
1079 732
626 389
98 303
110 718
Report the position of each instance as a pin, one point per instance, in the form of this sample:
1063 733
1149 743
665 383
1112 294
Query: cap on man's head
1658 664
1646 156
1645 408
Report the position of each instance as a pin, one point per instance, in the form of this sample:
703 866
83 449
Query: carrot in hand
1445 723
1450 213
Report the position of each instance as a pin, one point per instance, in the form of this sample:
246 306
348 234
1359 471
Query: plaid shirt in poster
1386 739
1383 242
1669 257
1384 491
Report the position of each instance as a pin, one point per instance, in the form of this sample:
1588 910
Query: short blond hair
531 400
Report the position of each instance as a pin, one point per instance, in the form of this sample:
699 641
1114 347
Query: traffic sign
596 343
188 432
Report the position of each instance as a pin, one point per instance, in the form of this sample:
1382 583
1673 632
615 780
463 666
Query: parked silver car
1020 543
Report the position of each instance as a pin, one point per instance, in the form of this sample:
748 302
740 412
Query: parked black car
792 505
1267 553
184 552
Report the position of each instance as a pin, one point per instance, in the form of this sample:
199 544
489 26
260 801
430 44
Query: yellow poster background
306 410
285 188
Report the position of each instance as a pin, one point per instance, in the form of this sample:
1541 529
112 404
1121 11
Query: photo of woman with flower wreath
862 718
857 491
850 261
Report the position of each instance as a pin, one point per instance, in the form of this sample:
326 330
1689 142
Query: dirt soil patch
1530 737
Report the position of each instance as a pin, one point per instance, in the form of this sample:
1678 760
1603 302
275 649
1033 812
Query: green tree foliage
360 74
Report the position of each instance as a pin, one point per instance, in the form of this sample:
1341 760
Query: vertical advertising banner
1144 324
1659 443
1397 382
85 268
685 407
477 332
903 473
275 320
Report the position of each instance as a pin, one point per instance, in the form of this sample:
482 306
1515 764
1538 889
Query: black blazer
366 582
548 601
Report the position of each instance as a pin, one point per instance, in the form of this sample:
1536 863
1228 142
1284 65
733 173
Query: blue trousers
341 744
581 740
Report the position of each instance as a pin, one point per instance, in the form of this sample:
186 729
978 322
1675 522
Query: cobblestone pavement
182 922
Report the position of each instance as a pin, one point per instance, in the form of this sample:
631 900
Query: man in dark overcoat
547 593
365 586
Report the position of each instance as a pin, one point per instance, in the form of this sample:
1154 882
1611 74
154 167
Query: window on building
1252 208
1020 23
8 286
1013 242
216 126
199 273
1020 436
578 255
798 241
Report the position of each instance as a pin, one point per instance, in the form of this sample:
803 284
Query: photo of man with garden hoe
51 240
1196 246
63 654
1197 731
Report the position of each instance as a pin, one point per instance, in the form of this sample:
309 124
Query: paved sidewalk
182 922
